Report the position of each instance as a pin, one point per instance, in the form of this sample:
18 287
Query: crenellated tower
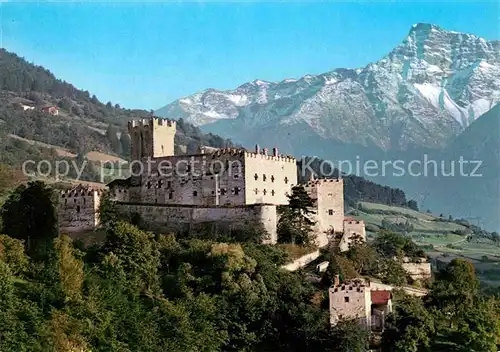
153 138
328 197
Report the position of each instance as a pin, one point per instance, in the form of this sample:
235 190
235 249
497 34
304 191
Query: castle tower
152 138
328 197
78 209
350 300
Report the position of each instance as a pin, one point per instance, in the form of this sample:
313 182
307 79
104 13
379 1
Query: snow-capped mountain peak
428 89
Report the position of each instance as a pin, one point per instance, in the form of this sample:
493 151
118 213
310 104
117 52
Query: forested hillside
83 124
141 291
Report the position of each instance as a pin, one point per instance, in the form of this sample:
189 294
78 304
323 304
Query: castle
231 187
358 299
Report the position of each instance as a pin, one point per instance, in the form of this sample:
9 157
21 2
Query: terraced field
443 240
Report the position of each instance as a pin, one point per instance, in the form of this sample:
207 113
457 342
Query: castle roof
380 296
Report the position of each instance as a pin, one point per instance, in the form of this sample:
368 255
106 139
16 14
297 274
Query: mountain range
426 91
433 94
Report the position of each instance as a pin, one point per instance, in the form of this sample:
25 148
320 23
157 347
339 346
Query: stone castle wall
302 261
167 218
78 210
352 229
269 178
350 301
328 197
418 271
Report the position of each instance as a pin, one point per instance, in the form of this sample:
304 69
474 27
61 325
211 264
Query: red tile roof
380 296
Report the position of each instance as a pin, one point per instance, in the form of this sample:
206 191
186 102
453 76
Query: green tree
29 214
126 143
295 224
138 253
412 204
349 336
70 268
112 135
12 253
410 328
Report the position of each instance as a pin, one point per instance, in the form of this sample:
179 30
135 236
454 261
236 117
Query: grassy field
422 222
442 239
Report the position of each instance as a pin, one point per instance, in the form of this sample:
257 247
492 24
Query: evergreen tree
29 214
126 143
295 224
112 135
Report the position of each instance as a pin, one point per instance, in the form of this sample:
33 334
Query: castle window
264 191
74 200
170 195
195 193
160 183
169 184
84 200
264 177
256 191
77 208
213 192
236 176
272 178
223 191
286 180
65 201
330 194
256 177
346 299
272 192
149 185
236 191
330 211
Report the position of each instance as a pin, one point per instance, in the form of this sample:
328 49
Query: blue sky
144 55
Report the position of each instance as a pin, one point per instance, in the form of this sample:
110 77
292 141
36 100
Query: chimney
337 280
265 151
257 149
275 151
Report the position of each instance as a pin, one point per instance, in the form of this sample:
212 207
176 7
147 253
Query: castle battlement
281 157
353 221
153 121
351 285
80 191
227 151
322 181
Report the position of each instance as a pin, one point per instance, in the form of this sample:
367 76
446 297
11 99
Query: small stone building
355 299
78 209
353 230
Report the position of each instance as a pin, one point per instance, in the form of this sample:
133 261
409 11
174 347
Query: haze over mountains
419 99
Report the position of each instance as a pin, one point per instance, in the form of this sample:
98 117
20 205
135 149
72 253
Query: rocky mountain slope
426 91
